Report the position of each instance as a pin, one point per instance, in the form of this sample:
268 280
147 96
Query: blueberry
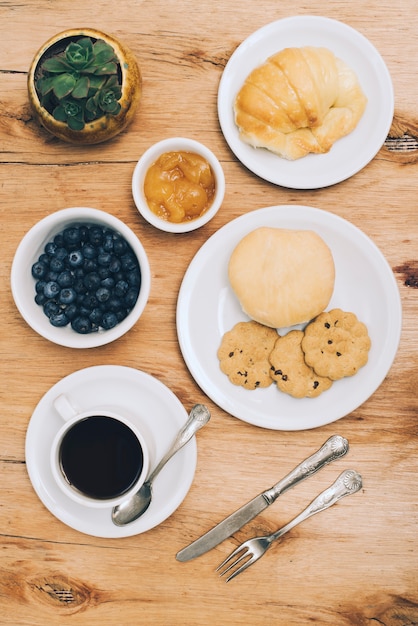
59 240
75 258
131 297
119 246
104 259
79 286
114 303
65 279
134 278
67 295
103 294
90 301
89 251
103 272
51 289
56 265
121 314
121 288
84 232
109 320
108 282
119 276
39 270
39 286
89 265
61 253
40 299
129 262
108 243
72 235
83 311
45 258
81 325
92 281
59 319
96 316
71 311
51 248
51 276
96 235
115 265
51 308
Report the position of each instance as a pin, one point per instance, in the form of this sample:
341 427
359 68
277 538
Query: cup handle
64 407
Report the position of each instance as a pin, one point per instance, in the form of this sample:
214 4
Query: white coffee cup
98 458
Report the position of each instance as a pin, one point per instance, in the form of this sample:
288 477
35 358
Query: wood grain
357 563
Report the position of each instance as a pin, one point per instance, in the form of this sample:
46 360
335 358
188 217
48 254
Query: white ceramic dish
349 154
23 285
207 308
176 144
150 405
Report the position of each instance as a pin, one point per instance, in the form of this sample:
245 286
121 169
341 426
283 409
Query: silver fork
250 551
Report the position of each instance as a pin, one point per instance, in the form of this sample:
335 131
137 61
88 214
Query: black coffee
101 457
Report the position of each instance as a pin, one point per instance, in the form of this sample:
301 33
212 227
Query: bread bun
300 100
282 277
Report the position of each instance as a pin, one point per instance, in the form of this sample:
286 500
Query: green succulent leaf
71 112
63 85
96 83
113 107
108 99
92 106
79 54
45 85
109 68
75 124
87 44
55 65
103 53
60 114
81 88
112 81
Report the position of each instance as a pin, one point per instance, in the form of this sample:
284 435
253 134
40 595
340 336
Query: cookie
289 370
243 354
336 344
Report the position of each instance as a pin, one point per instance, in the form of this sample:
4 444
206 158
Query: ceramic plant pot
106 126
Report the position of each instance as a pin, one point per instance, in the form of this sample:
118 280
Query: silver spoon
134 507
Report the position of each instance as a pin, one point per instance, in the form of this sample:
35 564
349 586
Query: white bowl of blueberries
80 278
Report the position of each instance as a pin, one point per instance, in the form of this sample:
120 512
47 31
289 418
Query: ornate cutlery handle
334 448
347 483
198 417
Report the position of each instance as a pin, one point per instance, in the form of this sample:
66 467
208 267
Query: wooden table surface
355 564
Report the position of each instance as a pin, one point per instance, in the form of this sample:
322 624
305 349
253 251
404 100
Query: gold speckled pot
107 126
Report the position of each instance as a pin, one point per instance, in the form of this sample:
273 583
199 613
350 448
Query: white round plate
153 408
207 308
349 154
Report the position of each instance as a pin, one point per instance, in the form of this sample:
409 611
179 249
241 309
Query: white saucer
349 154
152 407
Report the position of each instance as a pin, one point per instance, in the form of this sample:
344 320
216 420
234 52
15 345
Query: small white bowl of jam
178 185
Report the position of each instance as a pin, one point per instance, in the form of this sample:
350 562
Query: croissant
300 100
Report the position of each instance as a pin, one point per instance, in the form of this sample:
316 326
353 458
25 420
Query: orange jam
179 186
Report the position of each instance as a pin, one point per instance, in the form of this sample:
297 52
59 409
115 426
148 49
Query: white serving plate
207 308
348 155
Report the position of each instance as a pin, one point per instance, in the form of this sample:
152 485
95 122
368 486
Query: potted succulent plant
84 86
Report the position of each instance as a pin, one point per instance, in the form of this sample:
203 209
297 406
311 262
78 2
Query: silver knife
334 448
